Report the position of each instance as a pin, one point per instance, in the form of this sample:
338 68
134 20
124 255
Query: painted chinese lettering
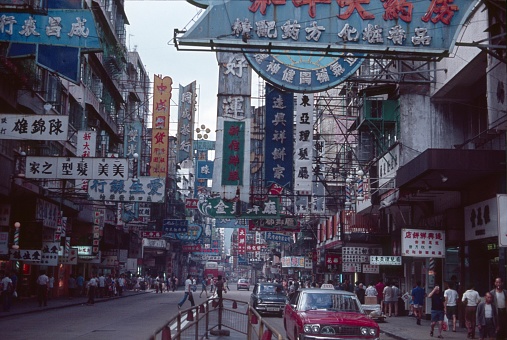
352 6
443 11
312 5
397 9
263 4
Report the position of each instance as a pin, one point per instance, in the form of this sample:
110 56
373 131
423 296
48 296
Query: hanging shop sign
269 236
142 189
34 127
219 208
386 260
76 168
422 243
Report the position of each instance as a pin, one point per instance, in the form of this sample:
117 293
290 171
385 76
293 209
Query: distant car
268 298
316 314
243 284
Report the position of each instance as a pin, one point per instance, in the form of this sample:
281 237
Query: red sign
241 241
191 203
151 234
333 259
191 248
255 247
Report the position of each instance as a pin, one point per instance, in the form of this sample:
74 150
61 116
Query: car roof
326 291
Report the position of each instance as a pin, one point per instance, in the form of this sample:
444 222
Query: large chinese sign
186 108
34 127
160 126
241 241
142 189
219 208
75 168
422 243
279 142
231 175
303 149
330 26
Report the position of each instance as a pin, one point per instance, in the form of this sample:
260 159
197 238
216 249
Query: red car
318 314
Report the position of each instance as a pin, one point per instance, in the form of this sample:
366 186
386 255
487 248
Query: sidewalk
405 328
31 305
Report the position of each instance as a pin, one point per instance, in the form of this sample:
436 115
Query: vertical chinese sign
279 142
231 174
241 241
132 143
186 111
86 145
303 151
160 126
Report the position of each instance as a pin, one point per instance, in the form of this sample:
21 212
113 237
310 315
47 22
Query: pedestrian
451 307
499 300
80 284
487 318
380 293
360 293
388 295
42 288
102 285
371 291
204 287
220 287
92 287
394 298
437 310
121 284
51 284
158 285
471 298
188 293
418 295
6 291
71 284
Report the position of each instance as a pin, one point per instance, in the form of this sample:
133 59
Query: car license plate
272 309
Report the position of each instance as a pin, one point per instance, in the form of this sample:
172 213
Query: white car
243 284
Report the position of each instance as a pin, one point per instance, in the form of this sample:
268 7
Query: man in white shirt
92 286
6 291
451 309
371 290
472 298
499 300
188 293
102 285
42 288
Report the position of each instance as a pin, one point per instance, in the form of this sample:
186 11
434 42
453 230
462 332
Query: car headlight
368 331
312 328
259 300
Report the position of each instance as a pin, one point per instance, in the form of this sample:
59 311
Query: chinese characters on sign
86 143
303 148
76 168
269 236
255 247
233 153
190 248
386 260
186 109
175 226
219 208
422 243
279 141
241 241
162 88
34 127
143 189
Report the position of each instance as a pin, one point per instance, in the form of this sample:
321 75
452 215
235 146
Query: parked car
243 284
326 313
268 298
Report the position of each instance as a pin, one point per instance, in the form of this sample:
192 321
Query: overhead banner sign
303 149
326 27
269 236
34 127
68 27
422 243
75 168
186 109
142 189
282 224
219 208
386 260
175 226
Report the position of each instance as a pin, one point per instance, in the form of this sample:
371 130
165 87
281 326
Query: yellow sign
160 126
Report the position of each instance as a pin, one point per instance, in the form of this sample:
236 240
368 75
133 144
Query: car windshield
271 289
332 301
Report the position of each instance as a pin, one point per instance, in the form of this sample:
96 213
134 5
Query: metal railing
212 318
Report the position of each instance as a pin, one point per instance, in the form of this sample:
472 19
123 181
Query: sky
151 29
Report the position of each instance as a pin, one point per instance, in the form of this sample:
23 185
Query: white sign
351 267
84 250
422 243
481 220
34 127
386 260
502 220
50 253
361 251
355 258
151 243
86 143
32 256
71 257
76 168
303 145
142 189
371 269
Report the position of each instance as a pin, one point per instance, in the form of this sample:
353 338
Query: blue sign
279 142
69 27
233 223
205 169
175 226
242 261
329 26
269 236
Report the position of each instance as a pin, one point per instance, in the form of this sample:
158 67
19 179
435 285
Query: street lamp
17 227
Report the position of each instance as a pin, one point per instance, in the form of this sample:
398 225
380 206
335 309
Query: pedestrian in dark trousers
487 318
204 284
42 288
92 287
500 301
220 287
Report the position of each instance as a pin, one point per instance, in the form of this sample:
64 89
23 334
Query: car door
291 314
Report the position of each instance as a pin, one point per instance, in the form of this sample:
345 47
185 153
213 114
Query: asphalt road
134 317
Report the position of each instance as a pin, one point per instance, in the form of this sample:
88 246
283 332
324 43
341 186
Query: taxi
326 313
